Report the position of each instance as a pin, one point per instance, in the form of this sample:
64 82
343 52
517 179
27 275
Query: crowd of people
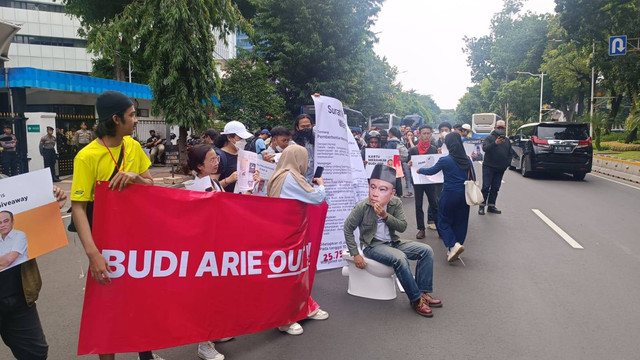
113 155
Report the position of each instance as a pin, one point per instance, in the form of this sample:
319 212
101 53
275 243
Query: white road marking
617 182
66 216
574 244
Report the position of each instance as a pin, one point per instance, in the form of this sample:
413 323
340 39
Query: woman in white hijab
288 182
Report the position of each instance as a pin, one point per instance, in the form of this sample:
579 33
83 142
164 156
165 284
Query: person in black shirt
8 143
233 138
154 142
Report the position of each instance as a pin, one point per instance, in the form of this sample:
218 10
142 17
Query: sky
423 39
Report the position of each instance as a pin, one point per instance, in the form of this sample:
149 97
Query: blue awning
54 80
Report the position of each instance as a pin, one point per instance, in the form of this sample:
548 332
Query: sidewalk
622 169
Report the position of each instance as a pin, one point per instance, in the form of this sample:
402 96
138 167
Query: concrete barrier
620 168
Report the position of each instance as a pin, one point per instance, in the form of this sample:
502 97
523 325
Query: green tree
249 95
176 41
373 86
592 22
316 46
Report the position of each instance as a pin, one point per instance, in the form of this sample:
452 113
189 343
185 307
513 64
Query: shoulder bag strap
115 171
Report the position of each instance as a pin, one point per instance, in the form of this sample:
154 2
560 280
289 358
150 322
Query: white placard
425 161
31 223
374 157
473 148
26 191
247 165
266 170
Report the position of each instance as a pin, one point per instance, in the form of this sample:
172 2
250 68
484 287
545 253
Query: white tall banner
345 180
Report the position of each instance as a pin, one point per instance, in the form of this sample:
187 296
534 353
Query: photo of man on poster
13 243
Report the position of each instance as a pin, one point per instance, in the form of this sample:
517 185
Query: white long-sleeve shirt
292 190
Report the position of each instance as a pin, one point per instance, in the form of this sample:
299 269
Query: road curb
618 168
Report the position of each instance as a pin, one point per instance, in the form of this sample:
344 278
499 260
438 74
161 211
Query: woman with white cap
233 138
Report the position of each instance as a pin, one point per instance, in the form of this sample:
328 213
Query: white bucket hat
236 127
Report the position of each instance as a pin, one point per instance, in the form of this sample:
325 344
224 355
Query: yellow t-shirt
93 163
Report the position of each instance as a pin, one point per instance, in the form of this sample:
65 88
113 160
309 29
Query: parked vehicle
560 147
483 124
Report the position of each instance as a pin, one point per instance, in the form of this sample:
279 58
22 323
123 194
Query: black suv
563 147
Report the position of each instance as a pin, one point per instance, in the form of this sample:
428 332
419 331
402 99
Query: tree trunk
580 103
572 111
615 107
117 69
182 149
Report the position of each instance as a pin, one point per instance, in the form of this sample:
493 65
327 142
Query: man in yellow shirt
114 156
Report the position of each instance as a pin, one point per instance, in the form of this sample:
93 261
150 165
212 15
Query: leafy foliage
249 95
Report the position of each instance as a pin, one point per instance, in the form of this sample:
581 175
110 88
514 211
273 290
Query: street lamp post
541 76
593 84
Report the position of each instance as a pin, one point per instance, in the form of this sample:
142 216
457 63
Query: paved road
524 293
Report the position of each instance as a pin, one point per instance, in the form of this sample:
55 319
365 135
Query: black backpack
251 145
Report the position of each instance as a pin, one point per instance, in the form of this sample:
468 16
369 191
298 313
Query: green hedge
616 146
614 136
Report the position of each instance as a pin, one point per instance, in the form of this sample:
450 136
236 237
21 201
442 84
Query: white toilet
376 281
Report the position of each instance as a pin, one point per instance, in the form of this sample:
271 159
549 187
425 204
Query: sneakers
408 195
207 351
292 329
319 314
420 234
481 210
454 252
224 339
157 357
494 210
432 226
422 307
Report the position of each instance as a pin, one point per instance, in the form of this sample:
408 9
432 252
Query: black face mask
307 134
500 131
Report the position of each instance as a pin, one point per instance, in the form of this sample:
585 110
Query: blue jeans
397 255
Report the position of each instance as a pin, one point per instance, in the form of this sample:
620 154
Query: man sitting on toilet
378 218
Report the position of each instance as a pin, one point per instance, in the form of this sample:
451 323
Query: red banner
195 266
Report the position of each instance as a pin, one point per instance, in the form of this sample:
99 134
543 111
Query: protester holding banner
288 182
425 147
453 211
303 135
114 157
378 218
393 142
204 161
233 138
20 286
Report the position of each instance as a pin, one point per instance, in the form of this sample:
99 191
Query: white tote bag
472 191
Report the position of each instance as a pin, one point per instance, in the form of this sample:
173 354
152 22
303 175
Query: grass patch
628 155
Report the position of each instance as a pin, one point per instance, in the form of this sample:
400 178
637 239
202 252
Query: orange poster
30 221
